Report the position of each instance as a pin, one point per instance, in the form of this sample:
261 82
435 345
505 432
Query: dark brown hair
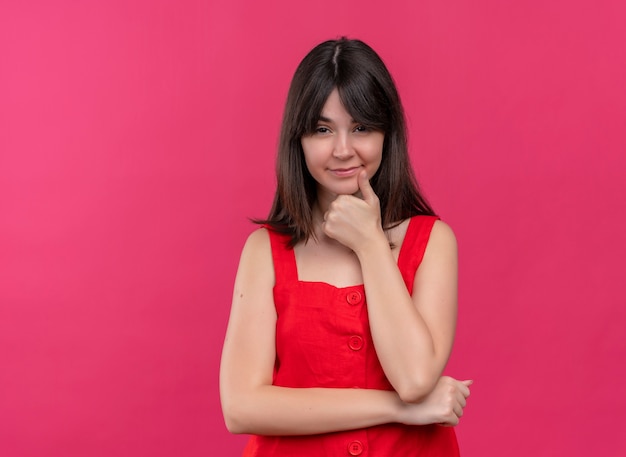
370 96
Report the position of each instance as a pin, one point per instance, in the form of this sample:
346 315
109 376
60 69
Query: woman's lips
344 172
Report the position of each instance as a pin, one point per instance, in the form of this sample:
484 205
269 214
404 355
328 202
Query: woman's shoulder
433 224
428 233
421 227
442 240
257 246
258 241
443 232
255 263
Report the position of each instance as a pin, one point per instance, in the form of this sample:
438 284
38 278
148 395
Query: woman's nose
343 147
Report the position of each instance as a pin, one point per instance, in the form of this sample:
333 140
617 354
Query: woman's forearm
412 334
274 410
402 339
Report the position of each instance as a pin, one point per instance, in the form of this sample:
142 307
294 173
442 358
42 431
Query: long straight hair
369 95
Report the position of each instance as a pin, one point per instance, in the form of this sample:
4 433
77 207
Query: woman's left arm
413 335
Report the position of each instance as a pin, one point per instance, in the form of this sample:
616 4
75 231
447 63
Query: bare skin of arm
251 404
413 335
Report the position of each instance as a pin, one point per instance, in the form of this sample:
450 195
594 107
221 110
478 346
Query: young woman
345 301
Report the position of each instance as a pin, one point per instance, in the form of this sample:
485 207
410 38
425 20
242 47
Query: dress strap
414 246
284 257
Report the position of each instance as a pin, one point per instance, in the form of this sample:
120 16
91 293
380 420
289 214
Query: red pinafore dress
323 339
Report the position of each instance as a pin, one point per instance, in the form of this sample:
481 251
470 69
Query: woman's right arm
251 404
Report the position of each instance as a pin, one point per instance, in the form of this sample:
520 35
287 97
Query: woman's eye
322 130
361 128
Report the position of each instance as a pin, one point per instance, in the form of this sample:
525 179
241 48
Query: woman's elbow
414 391
234 417
233 425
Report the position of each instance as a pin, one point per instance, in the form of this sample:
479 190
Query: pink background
137 136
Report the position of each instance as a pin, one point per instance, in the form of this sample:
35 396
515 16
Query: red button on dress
354 298
355 448
355 343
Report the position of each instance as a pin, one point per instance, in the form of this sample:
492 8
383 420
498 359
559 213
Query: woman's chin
349 189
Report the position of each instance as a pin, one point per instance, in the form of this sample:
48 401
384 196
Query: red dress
323 340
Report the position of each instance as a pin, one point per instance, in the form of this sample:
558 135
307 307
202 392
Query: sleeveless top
323 339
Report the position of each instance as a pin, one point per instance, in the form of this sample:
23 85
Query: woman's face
339 149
